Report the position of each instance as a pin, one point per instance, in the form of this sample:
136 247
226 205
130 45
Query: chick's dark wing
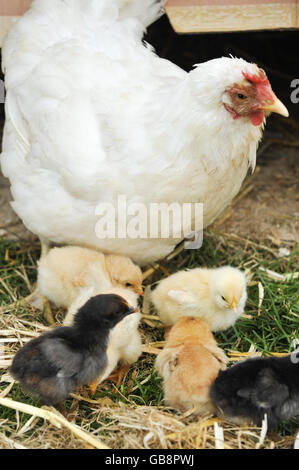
269 391
61 357
29 359
290 408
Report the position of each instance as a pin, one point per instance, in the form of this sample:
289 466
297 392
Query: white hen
92 113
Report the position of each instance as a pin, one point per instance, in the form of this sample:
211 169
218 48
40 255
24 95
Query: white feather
93 113
186 299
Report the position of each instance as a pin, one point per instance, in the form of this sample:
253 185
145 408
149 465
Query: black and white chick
259 386
56 363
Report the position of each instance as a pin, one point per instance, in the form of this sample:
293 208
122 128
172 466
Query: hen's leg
36 299
45 247
48 314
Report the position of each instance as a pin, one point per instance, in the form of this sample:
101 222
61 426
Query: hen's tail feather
146 11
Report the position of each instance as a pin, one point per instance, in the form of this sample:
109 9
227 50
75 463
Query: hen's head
242 89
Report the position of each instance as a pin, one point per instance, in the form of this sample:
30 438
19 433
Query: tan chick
218 296
125 345
189 364
64 272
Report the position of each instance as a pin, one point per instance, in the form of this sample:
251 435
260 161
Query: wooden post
10 10
193 16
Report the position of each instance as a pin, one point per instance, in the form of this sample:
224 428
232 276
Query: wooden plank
14 7
10 11
185 3
5 24
192 16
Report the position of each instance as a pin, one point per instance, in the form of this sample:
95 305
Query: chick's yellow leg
93 387
48 314
38 301
119 375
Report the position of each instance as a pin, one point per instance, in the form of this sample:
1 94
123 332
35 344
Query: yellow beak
234 306
139 291
276 107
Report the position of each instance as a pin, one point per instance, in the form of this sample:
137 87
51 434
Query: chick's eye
241 96
223 298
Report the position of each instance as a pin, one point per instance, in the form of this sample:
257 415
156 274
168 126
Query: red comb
262 83
258 79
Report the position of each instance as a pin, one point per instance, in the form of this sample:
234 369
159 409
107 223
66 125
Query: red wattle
257 117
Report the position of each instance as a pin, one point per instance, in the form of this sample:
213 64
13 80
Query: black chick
54 364
258 386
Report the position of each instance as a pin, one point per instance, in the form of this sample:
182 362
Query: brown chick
64 272
189 364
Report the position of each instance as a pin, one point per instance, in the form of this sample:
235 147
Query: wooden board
192 16
14 7
10 10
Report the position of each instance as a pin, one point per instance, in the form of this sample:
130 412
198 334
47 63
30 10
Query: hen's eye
241 96
128 284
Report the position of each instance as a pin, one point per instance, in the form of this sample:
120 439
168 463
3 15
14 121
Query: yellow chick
189 364
125 345
218 296
63 272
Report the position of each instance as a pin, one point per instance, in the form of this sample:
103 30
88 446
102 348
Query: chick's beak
275 106
234 306
139 290
132 310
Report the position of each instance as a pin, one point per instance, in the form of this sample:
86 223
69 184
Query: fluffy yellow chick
124 344
218 296
189 364
63 272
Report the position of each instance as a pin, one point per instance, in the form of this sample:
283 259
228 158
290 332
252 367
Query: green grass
271 331
278 323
